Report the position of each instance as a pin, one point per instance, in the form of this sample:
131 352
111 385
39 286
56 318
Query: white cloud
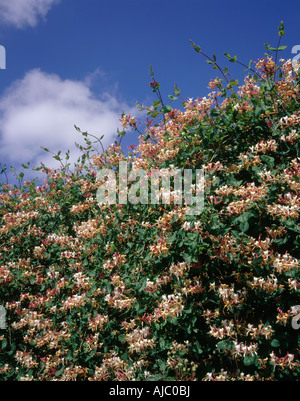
21 13
41 110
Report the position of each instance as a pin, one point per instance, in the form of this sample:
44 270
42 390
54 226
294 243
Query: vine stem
217 65
277 54
198 50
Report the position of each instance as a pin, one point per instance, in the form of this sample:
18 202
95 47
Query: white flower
186 225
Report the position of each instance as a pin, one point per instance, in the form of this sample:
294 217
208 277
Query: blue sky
83 62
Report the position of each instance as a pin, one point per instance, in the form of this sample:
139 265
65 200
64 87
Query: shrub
146 291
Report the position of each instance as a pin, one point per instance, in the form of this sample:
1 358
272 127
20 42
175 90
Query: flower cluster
138 340
171 305
284 362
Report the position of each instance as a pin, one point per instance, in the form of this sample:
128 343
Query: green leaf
155 114
275 49
232 83
162 365
162 343
176 90
69 356
244 226
121 338
167 109
275 343
257 261
225 345
172 320
268 160
187 257
250 360
197 48
231 59
154 378
281 29
199 350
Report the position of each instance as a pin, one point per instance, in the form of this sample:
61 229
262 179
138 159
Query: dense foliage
145 291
